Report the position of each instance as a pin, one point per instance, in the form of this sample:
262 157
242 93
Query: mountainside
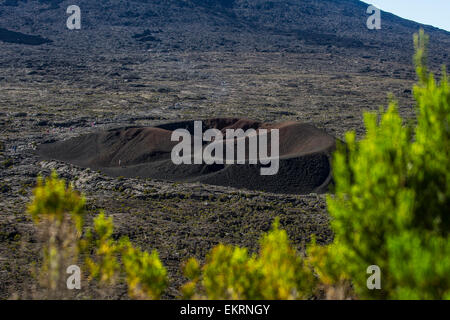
202 52
260 25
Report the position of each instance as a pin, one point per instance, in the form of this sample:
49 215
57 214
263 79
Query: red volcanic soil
304 153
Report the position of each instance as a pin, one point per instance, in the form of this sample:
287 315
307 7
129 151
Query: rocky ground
180 220
89 81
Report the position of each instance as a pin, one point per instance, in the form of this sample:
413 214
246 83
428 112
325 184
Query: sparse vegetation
390 209
277 272
8 163
145 275
392 200
57 211
4 188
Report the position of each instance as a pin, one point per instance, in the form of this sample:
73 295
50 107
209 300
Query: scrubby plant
230 272
145 274
57 211
103 260
8 163
392 199
112 260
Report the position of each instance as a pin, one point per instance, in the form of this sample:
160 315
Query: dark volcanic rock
220 24
21 38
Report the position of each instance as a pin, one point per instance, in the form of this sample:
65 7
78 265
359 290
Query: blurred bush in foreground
277 272
391 206
58 213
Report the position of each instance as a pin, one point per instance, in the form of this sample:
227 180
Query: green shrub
112 260
54 200
57 211
103 264
277 272
145 274
392 199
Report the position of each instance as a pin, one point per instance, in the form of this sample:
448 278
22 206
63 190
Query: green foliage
431 150
58 212
103 264
420 266
277 272
144 273
392 199
54 200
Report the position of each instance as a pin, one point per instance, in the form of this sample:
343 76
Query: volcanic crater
145 152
